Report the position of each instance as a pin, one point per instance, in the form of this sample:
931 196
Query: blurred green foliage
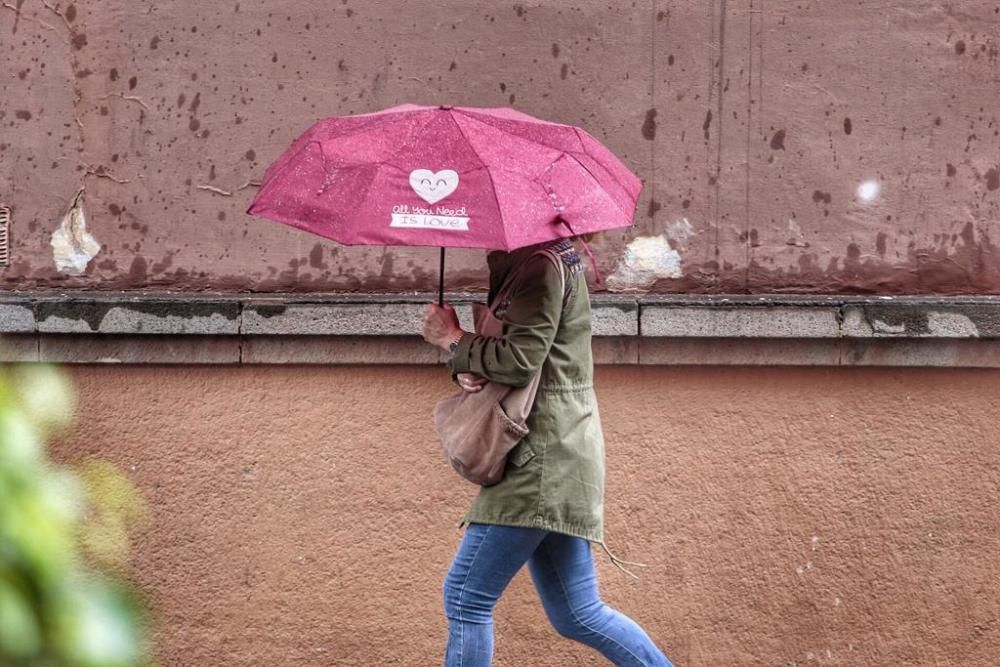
64 600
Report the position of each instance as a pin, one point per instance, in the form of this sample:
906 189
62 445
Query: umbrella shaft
441 280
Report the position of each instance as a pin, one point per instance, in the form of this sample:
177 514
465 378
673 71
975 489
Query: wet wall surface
785 146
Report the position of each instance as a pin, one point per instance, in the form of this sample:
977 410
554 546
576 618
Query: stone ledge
138 349
643 316
16 316
406 350
740 322
803 316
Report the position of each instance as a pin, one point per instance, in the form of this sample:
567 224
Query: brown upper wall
753 125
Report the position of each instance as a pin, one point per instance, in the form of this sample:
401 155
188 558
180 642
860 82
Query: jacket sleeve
529 327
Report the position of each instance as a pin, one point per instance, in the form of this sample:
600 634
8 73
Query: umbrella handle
441 280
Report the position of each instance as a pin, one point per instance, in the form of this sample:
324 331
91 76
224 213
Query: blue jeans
562 568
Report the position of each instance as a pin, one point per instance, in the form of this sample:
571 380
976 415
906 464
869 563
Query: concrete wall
788 516
753 123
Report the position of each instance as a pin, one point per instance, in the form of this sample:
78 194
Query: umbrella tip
446 107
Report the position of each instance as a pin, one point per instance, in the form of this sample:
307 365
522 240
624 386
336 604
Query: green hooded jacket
554 477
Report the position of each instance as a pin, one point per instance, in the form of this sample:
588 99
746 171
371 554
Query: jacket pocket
521 454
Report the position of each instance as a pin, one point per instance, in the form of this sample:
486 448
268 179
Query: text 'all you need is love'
439 217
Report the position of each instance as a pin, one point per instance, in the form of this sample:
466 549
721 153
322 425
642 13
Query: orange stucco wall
788 516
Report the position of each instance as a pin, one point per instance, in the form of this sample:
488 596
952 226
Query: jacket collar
501 262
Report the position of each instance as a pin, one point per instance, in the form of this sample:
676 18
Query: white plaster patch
646 260
951 325
680 230
878 326
72 245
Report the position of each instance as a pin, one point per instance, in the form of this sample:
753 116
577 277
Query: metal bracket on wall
4 236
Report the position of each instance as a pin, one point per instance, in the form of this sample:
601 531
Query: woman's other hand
471 382
440 325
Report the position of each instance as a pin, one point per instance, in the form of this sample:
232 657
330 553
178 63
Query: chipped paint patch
646 260
795 236
72 245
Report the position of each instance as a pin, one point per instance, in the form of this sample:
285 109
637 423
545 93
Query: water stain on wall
777 175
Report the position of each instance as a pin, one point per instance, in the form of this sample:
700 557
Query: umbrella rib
600 187
467 142
317 128
610 173
503 227
473 116
311 131
378 167
390 122
409 143
583 149
493 186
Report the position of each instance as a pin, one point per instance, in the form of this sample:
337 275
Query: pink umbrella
447 176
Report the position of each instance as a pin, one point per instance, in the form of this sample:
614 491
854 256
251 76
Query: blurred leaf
20 444
45 394
103 632
115 507
20 636
54 610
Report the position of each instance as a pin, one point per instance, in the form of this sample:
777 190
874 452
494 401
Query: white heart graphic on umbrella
432 187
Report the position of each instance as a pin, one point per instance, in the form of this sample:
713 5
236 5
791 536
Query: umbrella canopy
447 176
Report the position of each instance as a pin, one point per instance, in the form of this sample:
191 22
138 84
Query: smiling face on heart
432 187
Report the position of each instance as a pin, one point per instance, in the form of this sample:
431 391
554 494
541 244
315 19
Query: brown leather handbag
478 429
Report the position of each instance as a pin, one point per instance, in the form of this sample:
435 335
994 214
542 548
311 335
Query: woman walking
550 504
